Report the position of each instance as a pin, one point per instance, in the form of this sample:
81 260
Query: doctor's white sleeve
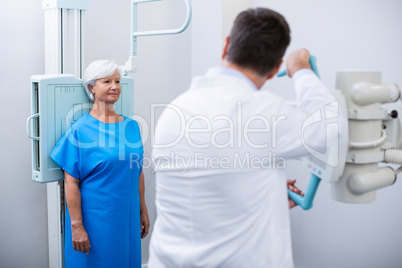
306 125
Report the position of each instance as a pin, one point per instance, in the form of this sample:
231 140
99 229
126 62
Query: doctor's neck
254 77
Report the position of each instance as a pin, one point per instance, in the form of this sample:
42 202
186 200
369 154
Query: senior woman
106 213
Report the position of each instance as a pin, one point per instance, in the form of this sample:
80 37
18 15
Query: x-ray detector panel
57 102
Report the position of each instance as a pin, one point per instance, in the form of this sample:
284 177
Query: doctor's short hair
96 70
258 40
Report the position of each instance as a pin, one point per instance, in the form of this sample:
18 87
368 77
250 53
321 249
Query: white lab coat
220 156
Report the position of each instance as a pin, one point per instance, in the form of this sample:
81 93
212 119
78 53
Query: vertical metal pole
53 65
82 61
63 54
71 42
53 44
133 28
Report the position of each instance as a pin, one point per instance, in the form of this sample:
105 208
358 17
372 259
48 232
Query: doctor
221 150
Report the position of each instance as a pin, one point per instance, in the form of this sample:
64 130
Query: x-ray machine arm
130 66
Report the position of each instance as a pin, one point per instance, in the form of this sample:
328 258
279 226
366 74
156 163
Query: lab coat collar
220 70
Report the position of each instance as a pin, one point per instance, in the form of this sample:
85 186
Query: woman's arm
73 198
143 208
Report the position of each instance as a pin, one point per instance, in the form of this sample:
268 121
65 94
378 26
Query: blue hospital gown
107 159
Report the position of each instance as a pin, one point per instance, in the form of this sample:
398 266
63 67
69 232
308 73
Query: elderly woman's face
107 89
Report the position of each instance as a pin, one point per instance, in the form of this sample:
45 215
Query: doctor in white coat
220 154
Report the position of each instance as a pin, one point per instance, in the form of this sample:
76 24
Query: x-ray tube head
364 96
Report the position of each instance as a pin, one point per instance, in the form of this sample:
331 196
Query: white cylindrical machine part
361 131
393 156
367 131
371 144
364 182
340 190
345 80
364 93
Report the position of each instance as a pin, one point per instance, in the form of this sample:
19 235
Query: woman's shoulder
130 120
81 122
130 124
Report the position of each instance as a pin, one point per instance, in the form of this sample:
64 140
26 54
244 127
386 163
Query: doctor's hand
297 60
80 238
293 188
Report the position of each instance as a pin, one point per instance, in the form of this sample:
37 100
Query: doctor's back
220 155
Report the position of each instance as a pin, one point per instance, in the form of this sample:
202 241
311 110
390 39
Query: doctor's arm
303 126
73 197
143 208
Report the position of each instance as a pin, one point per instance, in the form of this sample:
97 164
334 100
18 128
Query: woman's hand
80 238
293 188
144 222
144 219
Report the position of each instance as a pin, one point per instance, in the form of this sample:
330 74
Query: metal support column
63 55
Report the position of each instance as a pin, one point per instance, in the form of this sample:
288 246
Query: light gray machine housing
57 102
